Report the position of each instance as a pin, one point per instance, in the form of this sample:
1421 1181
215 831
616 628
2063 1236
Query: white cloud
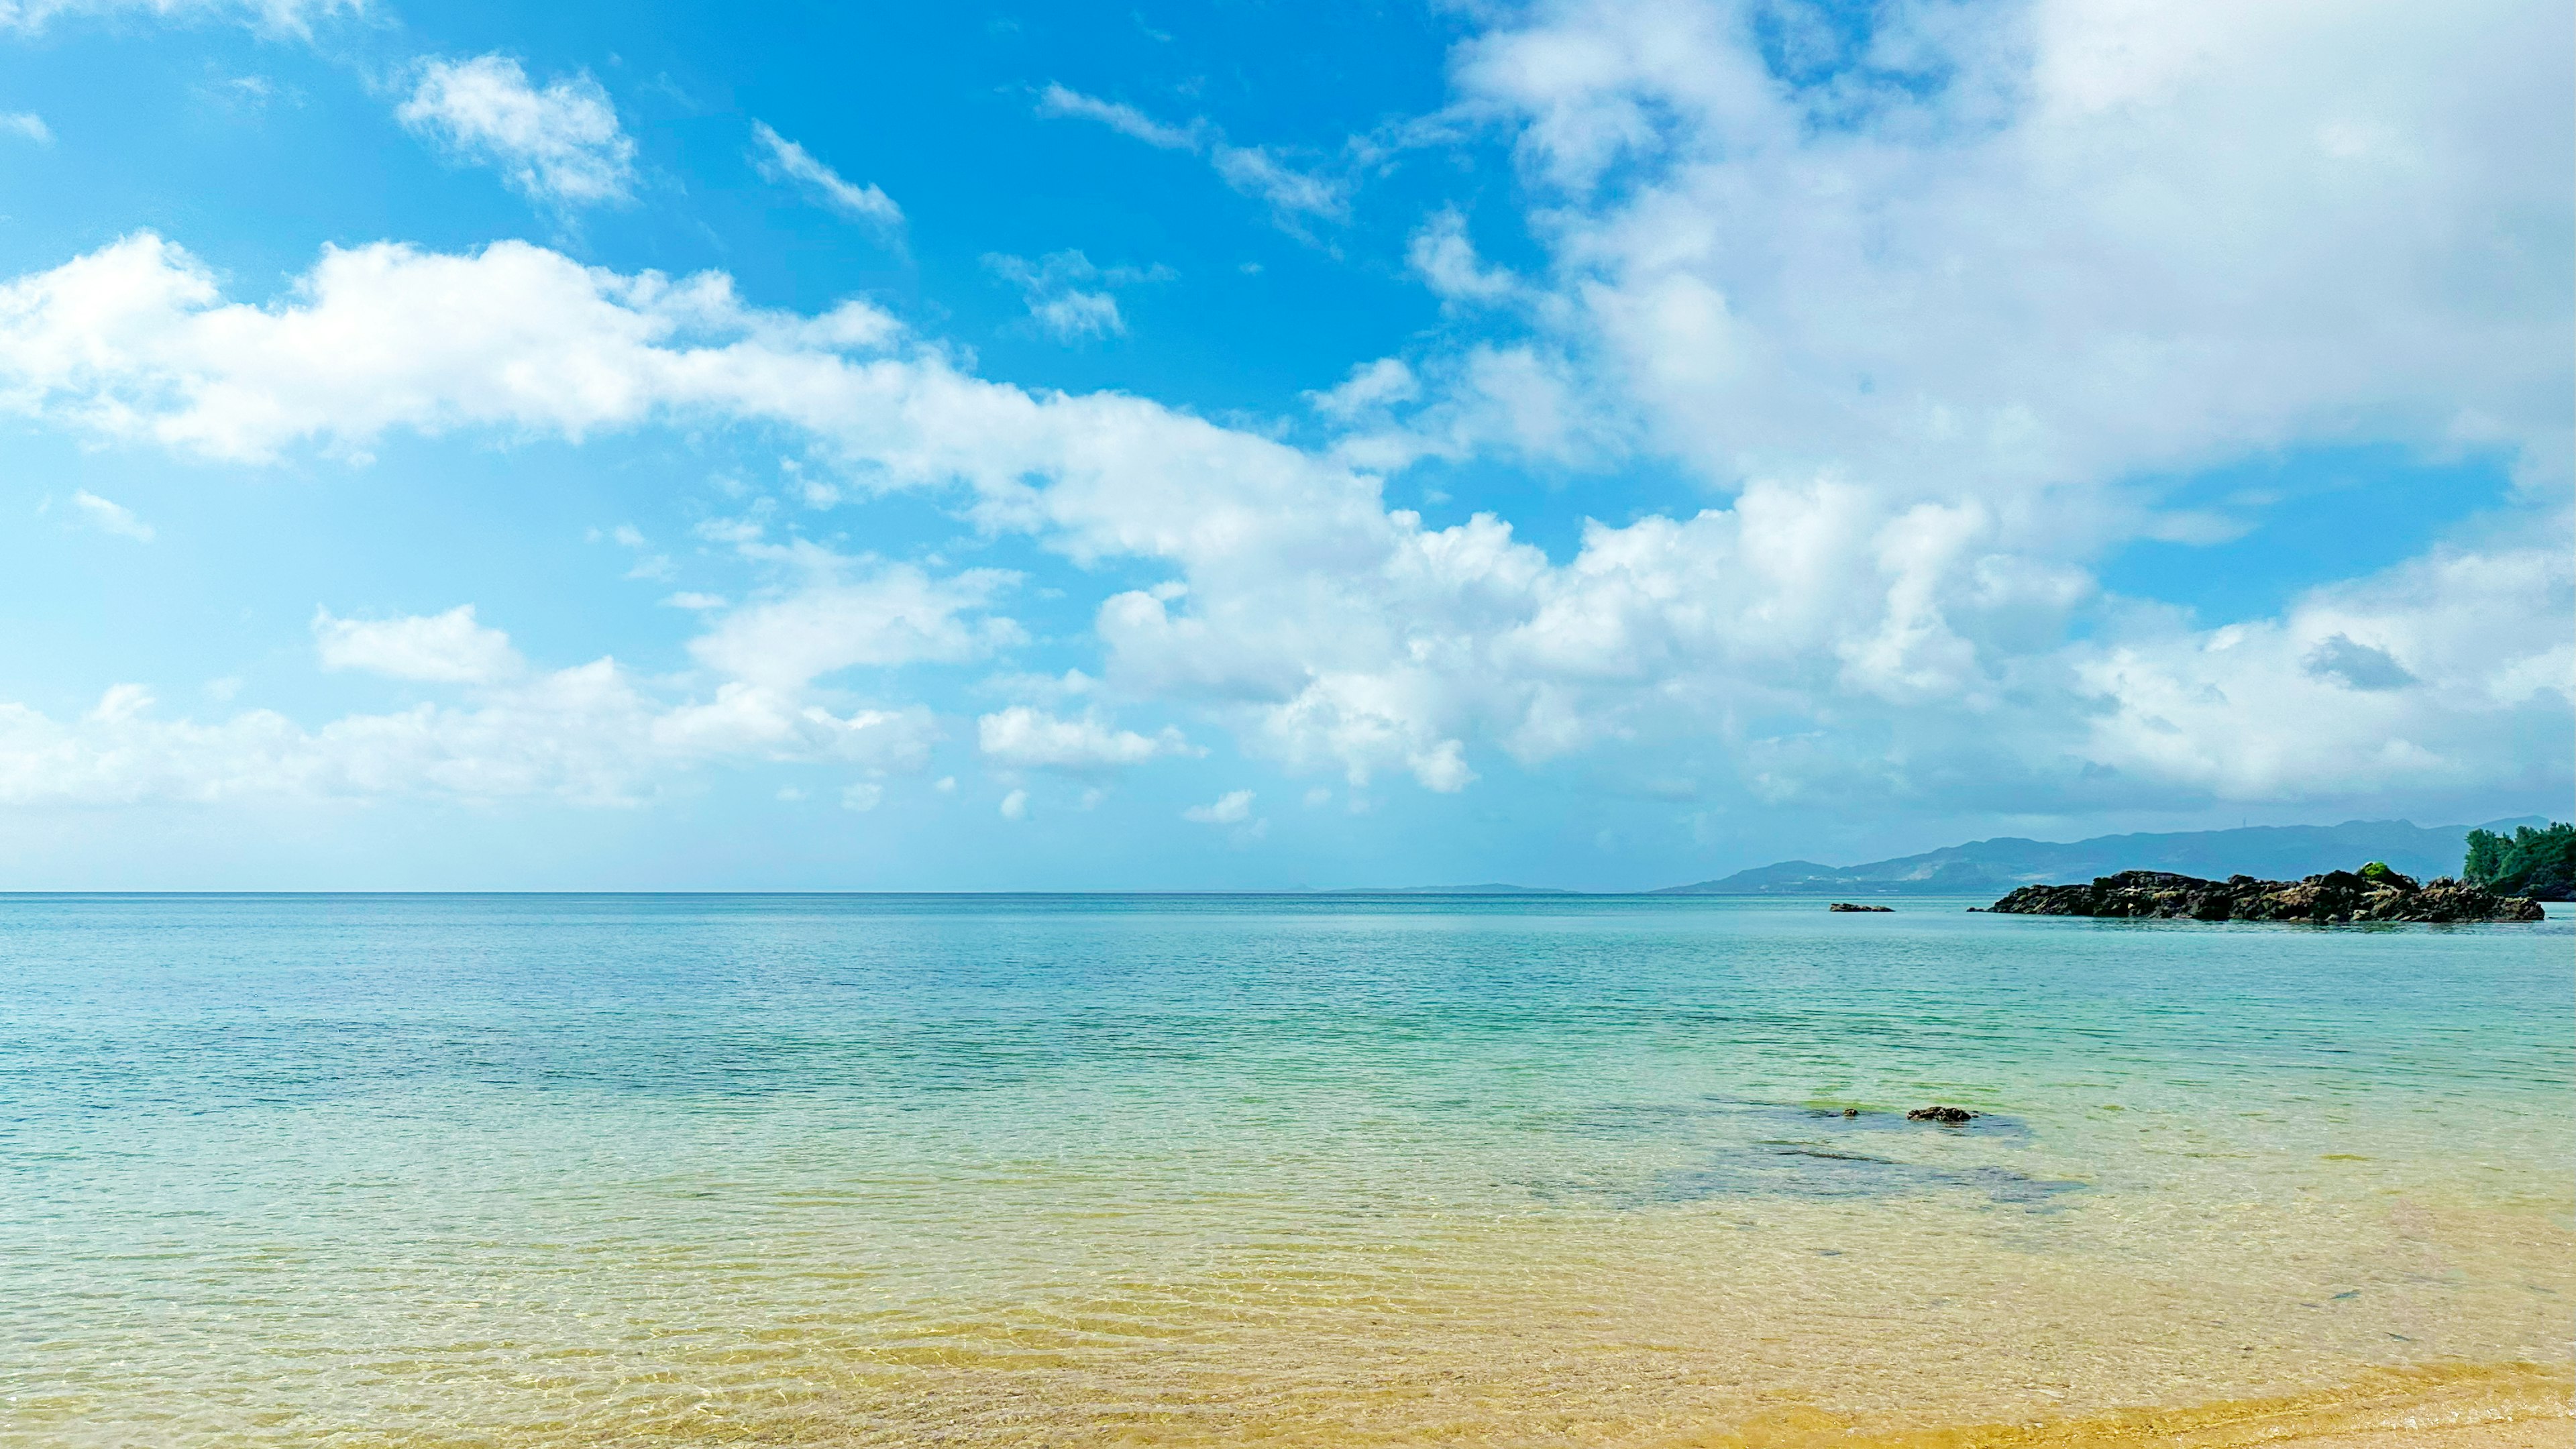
780 159
1021 737
1847 628
1068 296
1446 259
449 648
589 735
2452 668
837 618
133 339
1255 171
26 125
863 796
2084 242
1371 387
1231 808
281 17
1126 120
1015 805
111 517
562 144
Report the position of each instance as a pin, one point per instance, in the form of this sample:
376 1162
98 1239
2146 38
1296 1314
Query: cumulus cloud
590 735
1372 387
449 648
562 145
1021 737
1445 259
1861 633
110 517
2058 246
135 339
2445 669
1231 808
840 617
780 159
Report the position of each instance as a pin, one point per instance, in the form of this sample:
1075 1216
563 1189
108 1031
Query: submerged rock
2373 893
1950 1115
1848 906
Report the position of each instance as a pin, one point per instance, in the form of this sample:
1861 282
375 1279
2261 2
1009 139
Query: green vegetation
2540 864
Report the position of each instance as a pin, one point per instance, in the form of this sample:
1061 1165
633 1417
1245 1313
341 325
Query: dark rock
1848 906
1951 1116
2373 893
1851 1111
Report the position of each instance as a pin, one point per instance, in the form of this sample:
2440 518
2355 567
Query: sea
526 1170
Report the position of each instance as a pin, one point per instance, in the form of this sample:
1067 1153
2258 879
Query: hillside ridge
2271 852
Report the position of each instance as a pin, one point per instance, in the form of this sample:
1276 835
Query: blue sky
1242 446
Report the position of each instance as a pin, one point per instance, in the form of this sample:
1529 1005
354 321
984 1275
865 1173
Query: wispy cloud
26 125
1126 120
1255 171
562 144
276 17
109 517
782 160
1067 295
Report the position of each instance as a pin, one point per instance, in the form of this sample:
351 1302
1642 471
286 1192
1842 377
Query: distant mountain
1495 888
2273 852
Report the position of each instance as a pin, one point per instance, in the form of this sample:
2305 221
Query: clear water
575 1170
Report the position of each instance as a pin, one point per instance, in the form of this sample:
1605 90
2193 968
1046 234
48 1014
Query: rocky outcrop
2373 893
1848 906
1947 1116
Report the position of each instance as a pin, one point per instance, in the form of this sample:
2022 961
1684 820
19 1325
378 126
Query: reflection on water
554 1171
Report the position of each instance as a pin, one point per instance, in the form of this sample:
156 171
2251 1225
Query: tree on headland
2540 864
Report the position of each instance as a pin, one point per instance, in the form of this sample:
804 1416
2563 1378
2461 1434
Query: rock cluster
2373 893
1848 906
1949 1116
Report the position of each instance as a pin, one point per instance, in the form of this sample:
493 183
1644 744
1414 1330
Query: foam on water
542 1171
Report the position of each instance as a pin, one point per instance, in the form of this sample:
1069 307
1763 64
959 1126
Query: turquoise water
504 1170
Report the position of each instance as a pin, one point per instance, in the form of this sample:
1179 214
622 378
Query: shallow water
559 1170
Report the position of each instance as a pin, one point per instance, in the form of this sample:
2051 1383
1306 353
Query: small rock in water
1951 1115
1848 906
1851 1111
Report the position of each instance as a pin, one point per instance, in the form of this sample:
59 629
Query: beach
553 1171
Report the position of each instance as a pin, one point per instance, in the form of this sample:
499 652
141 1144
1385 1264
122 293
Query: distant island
1490 888
2372 893
2509 858
2271 852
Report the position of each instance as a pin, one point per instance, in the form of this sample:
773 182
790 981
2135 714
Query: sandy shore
2497 1406
2554 1433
